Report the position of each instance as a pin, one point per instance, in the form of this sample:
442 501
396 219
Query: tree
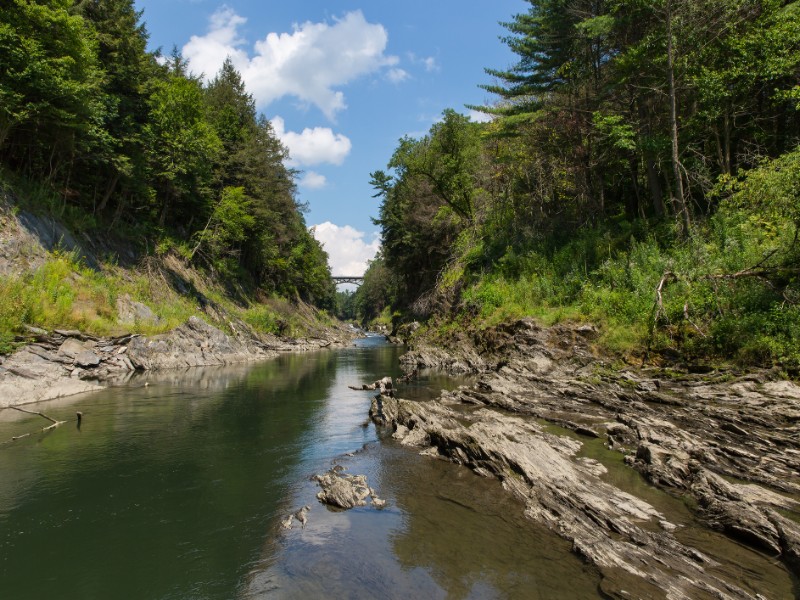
541 40
228 227
127 69
376 292
182 148
51 106
232 113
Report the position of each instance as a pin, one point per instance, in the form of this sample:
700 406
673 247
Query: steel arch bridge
341 279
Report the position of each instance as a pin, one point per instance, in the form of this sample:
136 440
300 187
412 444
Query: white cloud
428 62
313 146
222 40
397 75
348 251
479 117
310 63
313 180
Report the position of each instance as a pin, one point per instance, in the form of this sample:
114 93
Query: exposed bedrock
729 445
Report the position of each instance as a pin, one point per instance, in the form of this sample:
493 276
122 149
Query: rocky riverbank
729 445
62 363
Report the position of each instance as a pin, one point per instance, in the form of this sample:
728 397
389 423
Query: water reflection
165 491
445 534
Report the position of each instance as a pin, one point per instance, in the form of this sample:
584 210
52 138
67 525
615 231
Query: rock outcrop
730 445
344 491
62 363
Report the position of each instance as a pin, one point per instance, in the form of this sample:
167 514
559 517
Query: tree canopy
131 139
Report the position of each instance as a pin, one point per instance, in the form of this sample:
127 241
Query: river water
177 489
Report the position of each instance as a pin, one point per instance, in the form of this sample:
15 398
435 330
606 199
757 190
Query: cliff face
26 240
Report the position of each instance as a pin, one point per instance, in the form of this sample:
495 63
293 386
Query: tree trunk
634 201
162 218
680 196
654 184
107 196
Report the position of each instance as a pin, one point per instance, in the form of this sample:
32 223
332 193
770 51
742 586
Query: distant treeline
132 141
640 168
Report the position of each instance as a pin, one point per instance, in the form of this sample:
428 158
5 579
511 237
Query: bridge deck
356 280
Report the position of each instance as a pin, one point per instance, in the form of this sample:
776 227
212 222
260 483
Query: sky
341 83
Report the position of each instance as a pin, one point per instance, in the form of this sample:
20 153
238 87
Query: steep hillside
81 310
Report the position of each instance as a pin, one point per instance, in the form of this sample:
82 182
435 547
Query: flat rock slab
87 359
29 378
72 348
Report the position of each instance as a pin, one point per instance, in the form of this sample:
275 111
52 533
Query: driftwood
762 273
658 310
53 422
658 307
33 412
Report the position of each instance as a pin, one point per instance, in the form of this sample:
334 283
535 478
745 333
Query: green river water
177 490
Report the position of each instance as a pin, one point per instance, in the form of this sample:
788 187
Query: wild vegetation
123 143
640 169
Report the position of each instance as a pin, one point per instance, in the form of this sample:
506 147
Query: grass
63 293
609 275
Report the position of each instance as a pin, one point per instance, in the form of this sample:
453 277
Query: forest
639 169
119 141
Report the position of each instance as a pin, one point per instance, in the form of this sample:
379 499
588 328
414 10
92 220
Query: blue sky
342 82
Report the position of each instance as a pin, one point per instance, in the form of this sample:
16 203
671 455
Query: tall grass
731 290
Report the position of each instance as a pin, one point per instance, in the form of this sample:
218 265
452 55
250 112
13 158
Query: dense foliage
640 169
131 141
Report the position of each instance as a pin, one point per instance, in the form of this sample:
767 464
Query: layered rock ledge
62 363
729 445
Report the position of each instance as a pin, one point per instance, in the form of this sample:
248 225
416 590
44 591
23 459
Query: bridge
356 280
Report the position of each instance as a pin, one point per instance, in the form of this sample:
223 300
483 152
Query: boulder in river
342 490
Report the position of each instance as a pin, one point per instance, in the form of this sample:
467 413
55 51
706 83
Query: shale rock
342 490
730 443
131 312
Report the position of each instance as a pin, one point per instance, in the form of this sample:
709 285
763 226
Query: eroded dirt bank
729 446
62 363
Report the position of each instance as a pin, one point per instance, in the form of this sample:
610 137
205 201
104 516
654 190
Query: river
177 489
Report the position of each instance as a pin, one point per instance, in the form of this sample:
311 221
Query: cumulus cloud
222 40
310 63
312 180
312 146
348 249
